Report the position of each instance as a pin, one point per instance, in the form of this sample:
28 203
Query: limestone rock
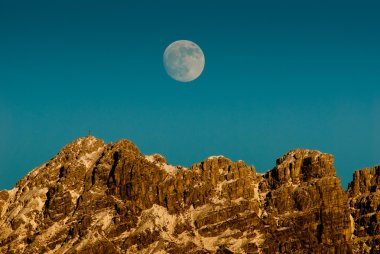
364 195
110 198
306 206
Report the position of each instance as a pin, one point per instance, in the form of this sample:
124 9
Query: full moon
184 60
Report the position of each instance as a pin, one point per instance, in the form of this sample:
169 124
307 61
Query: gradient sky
279 75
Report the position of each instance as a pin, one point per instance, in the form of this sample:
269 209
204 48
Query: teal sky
279 75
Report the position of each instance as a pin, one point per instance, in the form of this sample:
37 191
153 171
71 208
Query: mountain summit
94 197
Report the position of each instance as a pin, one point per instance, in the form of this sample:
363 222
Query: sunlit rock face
365 209
110 198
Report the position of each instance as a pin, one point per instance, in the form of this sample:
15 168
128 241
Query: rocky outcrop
307 204
110 198
365 209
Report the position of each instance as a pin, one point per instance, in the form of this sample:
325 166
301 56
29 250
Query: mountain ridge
94 197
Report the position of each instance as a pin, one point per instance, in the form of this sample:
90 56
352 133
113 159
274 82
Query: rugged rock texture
308 204
365 208
110 198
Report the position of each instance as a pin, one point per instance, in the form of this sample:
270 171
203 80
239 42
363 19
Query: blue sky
279 75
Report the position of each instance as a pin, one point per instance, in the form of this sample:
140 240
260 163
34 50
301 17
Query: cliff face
365 208
110 198
309 205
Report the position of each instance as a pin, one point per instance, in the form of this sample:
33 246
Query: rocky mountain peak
94 197
364 193
126 146
365 181
302 165
81 145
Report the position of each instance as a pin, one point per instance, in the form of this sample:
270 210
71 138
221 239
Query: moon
184 60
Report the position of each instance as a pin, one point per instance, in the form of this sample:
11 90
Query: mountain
94 197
